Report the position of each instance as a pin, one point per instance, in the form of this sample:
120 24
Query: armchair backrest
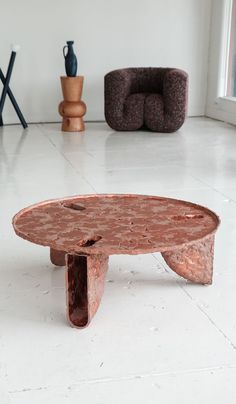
144 79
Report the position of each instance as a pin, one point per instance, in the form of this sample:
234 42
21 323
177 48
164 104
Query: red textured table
83 231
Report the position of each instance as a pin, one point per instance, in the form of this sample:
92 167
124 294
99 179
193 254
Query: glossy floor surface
156 337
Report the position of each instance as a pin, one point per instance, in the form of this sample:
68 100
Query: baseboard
219 115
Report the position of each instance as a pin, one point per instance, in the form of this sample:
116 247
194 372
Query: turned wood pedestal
83 231
72 109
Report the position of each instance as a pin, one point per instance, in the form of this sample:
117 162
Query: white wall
108 34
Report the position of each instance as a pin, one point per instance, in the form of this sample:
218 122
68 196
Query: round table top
115 224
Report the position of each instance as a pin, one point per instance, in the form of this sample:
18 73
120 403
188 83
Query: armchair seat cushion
134 110
152 97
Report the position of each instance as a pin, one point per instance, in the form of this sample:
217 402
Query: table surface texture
115 224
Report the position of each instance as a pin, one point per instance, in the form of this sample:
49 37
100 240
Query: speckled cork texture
114 224
87 229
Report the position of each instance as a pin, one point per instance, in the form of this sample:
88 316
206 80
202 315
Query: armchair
155 98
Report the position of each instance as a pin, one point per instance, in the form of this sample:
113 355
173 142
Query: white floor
156 337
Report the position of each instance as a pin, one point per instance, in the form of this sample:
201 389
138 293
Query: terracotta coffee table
83 231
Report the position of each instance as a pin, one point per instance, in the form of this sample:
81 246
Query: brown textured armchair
151 97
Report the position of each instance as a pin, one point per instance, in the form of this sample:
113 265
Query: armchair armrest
175 94
117 89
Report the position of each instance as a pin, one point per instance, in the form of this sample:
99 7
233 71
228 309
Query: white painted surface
108 34
218 106
156 337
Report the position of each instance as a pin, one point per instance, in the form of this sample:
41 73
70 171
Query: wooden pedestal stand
72 109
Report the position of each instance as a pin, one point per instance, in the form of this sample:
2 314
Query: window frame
220 106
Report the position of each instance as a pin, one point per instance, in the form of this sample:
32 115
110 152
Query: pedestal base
72 125
72 109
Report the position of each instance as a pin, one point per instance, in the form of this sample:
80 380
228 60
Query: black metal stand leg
14 103
6 90
7 81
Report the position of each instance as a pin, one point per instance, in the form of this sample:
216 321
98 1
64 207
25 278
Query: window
231 77
221 92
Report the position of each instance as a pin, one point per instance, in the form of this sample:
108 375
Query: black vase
70 59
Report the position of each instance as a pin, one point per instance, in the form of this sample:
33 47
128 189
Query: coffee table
82 231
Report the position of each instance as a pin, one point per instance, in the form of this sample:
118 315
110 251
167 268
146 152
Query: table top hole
89 241
74 206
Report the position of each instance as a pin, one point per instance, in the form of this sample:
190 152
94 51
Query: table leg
194 262
58 258
85 278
